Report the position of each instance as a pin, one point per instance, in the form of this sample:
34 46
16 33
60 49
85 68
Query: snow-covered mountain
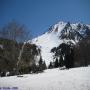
59 33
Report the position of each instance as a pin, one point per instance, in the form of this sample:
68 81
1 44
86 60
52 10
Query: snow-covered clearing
51 79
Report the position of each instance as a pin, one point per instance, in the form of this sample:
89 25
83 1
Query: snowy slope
54 79
57 34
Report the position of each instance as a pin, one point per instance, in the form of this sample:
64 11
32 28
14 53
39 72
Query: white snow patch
52 79
46 42
52 39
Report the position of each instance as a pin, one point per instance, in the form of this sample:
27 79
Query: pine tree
44 65
40 64
61 62
72 58
50 65
34 68
67 61
56 63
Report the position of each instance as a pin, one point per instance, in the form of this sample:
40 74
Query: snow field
51 79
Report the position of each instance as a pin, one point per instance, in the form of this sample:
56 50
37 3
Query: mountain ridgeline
71 31
64 44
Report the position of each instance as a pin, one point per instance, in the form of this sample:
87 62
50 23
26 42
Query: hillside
51 79
58 33
64 44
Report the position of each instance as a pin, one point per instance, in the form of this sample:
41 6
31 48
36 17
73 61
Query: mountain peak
57 27
61 32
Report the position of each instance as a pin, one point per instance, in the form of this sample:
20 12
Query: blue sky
38 15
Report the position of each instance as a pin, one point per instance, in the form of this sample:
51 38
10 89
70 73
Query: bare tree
14 31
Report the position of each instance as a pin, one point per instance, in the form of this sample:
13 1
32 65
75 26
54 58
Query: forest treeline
70 55
12 39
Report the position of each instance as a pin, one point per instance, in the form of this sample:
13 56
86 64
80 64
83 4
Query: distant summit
61 32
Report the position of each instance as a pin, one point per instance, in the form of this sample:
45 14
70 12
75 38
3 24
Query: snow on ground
51 79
